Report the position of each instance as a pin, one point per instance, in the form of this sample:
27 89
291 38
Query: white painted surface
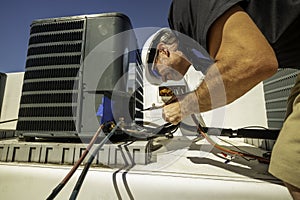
36 183
247 111
11 100
179 170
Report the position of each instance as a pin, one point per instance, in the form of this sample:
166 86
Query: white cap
148 55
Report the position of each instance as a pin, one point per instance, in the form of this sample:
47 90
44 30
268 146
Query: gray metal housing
71 63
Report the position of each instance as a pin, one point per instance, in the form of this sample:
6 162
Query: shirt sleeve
194 17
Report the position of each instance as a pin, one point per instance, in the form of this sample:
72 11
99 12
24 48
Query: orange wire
214 144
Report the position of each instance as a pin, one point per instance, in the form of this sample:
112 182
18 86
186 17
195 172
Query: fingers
172 113
180 107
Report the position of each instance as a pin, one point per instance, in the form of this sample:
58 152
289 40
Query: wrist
189 104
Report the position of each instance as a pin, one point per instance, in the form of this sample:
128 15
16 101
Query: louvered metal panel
277 89
50 94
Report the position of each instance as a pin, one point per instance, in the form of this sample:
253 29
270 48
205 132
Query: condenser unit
73 63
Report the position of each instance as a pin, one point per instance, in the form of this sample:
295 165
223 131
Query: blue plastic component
105 110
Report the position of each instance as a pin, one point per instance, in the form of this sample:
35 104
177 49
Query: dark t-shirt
278 20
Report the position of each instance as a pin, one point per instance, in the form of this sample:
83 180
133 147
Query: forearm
226 82
223 84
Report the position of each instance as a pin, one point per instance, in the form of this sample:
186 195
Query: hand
172 113
180 107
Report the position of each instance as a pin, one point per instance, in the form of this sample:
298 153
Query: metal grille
277 89
139 94
50 95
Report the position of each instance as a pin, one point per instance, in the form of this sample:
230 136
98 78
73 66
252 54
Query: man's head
162 59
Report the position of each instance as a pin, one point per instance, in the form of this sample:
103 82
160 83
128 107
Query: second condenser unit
73 63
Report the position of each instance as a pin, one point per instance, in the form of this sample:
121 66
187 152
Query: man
248 40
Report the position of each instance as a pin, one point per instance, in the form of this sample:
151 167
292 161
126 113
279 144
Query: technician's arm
243 59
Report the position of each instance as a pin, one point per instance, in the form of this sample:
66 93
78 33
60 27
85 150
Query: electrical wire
60 186
83 174
232 145
224 149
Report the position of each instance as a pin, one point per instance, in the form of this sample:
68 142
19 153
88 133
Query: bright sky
17 15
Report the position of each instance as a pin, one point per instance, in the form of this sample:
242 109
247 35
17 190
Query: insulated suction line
60 186
85 170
